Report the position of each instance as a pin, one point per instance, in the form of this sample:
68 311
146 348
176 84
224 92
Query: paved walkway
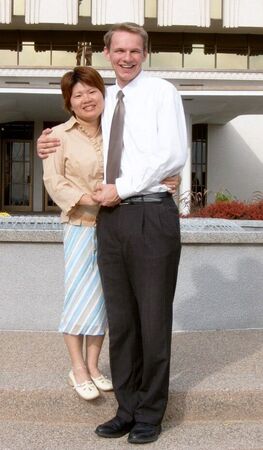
216 395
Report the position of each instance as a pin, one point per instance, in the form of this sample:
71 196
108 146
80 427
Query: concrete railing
219 281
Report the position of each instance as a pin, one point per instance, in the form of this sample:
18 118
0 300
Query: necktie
116 141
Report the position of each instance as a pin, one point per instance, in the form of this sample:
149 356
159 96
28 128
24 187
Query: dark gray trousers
138 255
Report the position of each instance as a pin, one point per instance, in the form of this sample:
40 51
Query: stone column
186 183
5 11
184 12
50 11
106 11
242 13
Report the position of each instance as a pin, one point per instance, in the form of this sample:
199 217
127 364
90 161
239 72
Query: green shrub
223 196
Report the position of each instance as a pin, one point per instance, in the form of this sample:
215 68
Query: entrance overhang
213 97
219 107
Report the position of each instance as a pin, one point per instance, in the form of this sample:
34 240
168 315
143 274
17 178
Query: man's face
126 55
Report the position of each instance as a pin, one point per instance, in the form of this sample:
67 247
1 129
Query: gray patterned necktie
116 141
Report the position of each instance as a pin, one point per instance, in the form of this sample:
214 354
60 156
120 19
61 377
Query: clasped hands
107 195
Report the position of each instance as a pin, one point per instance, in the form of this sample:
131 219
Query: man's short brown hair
80 74
130 28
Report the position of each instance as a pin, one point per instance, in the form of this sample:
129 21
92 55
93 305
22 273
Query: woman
70 176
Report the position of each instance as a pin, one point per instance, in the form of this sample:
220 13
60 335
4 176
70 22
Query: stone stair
216 395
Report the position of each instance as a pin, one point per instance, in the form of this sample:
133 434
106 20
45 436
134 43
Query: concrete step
216 375
186 436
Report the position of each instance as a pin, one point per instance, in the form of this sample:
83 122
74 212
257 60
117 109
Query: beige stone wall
235 157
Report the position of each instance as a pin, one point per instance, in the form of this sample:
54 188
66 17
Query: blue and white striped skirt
84 307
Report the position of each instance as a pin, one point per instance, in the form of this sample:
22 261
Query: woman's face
87 102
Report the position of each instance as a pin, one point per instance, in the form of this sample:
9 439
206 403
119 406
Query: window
167 50
29 56
232 52
255 46
17 154
198 58
199 164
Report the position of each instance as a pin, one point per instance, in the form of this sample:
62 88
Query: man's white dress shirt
155 143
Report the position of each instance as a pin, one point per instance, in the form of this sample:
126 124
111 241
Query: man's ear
106 52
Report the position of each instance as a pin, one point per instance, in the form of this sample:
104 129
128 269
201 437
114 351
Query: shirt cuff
124 191
71 202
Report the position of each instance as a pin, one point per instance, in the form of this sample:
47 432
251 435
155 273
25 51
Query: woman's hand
87 200
172 183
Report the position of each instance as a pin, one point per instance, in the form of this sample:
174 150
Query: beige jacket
73 170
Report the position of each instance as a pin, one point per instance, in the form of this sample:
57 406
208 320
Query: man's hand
46 144
106 195
172 183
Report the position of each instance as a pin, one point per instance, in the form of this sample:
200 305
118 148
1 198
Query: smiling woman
86 104
71 175
83 91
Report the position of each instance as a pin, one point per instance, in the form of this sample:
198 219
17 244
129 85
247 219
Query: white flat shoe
103 383
86 390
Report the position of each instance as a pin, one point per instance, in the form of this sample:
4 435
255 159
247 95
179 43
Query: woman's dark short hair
130 28
80 74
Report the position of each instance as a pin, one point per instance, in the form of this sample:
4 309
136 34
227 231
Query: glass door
17 175
199 164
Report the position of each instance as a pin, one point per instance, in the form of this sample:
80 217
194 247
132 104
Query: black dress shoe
114 428
142 433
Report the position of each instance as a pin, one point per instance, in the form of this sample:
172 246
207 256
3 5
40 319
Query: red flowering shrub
231 210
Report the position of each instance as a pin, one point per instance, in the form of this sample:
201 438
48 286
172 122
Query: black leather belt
148 198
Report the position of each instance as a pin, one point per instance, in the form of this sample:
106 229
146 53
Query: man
139 237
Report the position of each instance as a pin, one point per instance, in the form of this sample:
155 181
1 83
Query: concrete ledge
188 237
215 376
45 236
186 436
219 280
45 229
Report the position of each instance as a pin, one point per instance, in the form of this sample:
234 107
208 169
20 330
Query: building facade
211 50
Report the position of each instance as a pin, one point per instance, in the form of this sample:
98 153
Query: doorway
17 166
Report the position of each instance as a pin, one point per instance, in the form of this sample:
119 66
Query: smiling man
139 237
138 232
126 54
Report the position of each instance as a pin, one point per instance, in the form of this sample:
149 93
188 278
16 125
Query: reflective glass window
168 60
197 58
256 62
8 57
63 57
232 52
231 61
32 56
99 60
255 52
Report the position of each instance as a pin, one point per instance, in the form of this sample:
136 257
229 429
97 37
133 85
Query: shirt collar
133 83
70 123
